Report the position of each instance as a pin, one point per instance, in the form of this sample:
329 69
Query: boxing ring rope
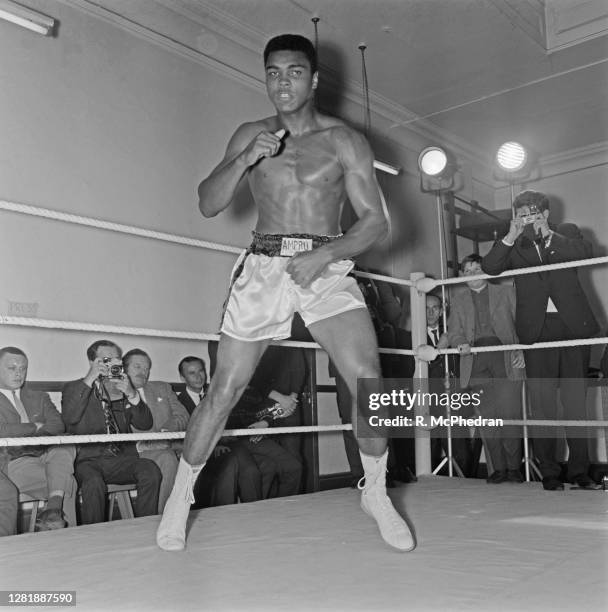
161 435
419 281
47 213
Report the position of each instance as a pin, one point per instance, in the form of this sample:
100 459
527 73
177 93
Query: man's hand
265 144
123 384
516 229
97 368
220 450
541 224
288 403
464 349
305 267
517 359
257 425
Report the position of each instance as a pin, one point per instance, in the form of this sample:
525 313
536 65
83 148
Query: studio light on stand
436 176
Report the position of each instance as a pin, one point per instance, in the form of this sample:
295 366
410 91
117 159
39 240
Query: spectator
40 471
218 482
168 414
280 470
550 306
193 372
105 402
437 337
483 314
280 379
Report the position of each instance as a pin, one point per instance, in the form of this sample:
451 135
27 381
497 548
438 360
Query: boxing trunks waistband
286 245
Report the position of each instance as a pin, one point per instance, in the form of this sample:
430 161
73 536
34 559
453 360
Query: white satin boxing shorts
263 298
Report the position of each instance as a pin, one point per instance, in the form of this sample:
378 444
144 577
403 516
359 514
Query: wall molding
237 58
574 160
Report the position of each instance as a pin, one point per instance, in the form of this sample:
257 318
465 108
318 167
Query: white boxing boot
171 533
376 503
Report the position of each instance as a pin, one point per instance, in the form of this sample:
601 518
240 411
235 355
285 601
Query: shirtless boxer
301 166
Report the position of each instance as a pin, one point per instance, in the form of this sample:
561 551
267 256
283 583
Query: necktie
111 426
435 336
20 408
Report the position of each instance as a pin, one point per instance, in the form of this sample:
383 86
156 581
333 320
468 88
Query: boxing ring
479 547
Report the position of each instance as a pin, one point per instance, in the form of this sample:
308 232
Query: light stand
433 164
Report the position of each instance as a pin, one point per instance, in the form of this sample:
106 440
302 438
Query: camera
532 216
115 368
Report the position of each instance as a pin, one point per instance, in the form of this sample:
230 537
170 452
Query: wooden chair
119 494
37 504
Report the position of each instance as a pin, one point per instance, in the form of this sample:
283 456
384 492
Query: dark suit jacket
82 413
534 290
39 409
461 325
186 401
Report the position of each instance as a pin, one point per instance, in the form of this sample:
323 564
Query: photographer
105 401
550 306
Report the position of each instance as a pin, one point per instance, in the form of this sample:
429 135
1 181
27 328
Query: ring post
422 435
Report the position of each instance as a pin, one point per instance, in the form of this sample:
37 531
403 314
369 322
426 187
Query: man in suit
168 414
105 402
550 306
257 409
45 471
482 314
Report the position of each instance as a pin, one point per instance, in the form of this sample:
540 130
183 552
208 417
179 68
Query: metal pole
446 366
422 436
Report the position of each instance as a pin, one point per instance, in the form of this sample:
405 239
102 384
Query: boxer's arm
364 194
248 145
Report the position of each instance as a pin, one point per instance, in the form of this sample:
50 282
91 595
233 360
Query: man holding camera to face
550 306
106 402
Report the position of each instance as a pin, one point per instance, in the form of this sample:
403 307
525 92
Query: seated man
280 378
104 401
230 459
40 471
168 414
257 409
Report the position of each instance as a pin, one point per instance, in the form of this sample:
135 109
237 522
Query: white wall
101 123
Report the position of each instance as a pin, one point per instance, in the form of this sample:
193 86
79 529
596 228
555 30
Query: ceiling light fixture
26 18
384 167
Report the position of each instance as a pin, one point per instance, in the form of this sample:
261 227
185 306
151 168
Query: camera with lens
531 216
115 368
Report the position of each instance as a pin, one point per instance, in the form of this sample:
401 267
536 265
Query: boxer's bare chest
304 163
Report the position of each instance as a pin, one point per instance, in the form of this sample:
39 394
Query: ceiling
479 71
